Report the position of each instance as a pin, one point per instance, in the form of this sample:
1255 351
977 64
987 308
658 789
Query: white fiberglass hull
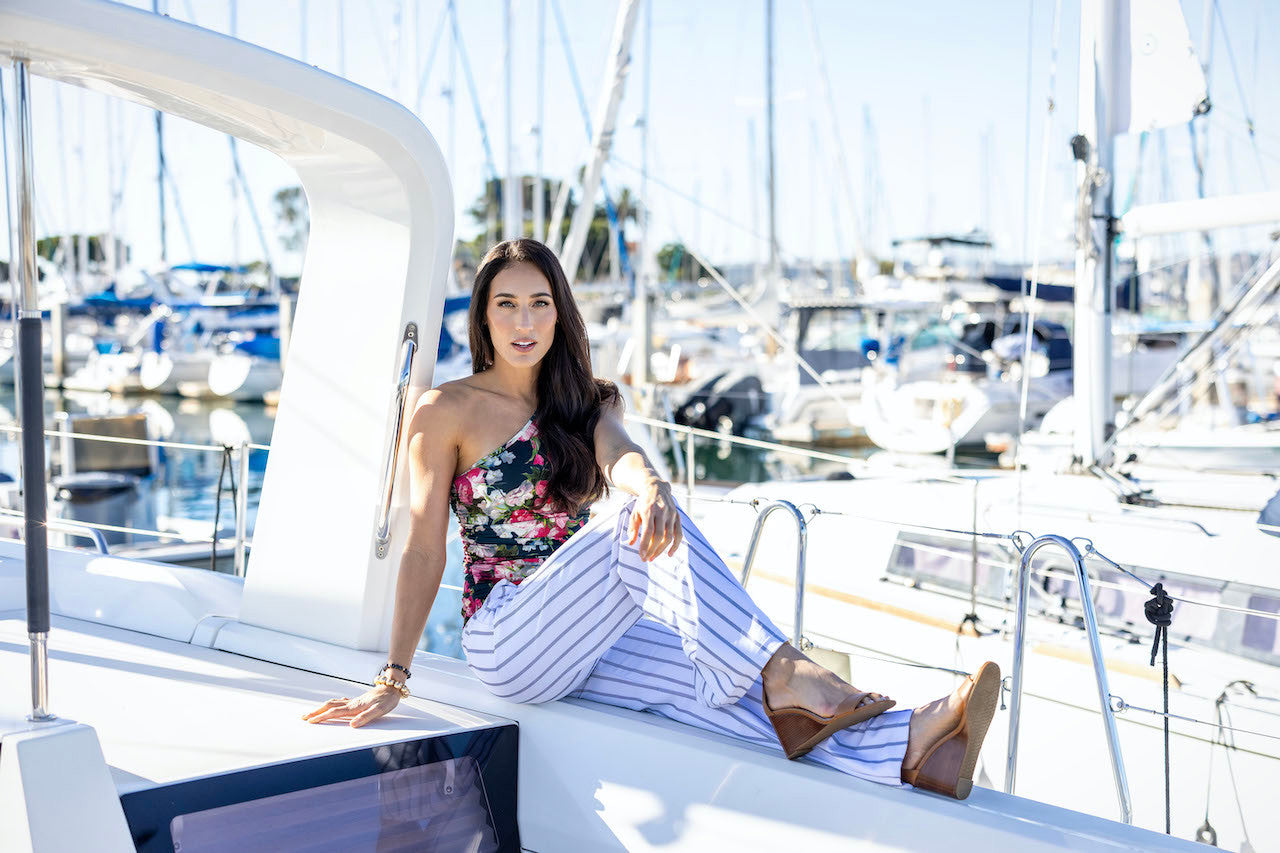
165 372
236 376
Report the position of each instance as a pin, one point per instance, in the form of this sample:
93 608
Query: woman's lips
524 346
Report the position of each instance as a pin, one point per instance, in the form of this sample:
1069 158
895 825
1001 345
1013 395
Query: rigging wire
1029 310
697 203
783 344
841 158
1244 102
431 58
467 76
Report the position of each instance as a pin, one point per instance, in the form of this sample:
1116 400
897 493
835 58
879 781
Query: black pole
34 499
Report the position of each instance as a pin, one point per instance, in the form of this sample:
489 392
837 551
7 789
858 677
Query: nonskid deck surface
167 711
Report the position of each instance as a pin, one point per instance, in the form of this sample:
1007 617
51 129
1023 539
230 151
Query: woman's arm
432 457
655 523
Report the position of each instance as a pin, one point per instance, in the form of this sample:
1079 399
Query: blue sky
945 85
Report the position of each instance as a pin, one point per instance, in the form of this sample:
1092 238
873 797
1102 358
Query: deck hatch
454 792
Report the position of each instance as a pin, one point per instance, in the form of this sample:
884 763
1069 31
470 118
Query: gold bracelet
383 681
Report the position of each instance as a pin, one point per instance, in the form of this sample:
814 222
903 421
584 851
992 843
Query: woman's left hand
655 522
376 702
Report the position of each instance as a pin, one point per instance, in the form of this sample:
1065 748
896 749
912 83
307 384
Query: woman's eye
541 303
506 303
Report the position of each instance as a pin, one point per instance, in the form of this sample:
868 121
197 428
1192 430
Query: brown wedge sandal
947 768
799 730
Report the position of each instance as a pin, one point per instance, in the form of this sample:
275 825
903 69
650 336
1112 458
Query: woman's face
521 315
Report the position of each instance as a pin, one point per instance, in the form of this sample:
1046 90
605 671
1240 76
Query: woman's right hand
376 702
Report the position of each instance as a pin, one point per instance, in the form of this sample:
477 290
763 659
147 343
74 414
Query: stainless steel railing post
29 373
1099 668
242 511
690 468
973 556
802 544
408 347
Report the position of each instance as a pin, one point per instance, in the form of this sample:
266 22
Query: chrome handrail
1099 668
408 347
802 542
76 529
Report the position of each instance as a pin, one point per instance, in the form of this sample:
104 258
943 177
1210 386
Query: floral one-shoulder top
508 525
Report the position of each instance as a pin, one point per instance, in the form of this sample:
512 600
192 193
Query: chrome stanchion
30 376
1099 668
802 544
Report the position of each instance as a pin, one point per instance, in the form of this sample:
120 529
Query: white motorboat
209 748
165 371
981 392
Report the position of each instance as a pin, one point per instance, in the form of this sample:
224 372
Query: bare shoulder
441 409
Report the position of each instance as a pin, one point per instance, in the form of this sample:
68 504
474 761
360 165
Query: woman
631 608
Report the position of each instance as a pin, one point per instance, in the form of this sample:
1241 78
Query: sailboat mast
642 330
774 272
164 238
511 225
605 123
1100 28
539 211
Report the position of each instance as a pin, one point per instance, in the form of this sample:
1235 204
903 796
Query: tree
486 211
293 218
675 263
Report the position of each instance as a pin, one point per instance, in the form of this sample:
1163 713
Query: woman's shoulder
460 401
449 403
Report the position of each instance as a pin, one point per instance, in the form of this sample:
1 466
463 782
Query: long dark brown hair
569 397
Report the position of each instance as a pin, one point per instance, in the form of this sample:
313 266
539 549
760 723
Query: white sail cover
1165 83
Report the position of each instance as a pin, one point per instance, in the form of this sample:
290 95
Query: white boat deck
167 711
591 777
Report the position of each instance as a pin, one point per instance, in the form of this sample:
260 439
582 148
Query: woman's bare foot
791 680
931 722
945 735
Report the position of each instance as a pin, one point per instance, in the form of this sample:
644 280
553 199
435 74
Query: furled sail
1165 83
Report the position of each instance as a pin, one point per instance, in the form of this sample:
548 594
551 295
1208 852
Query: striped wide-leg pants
677 636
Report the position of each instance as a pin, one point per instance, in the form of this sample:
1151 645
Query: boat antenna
31 399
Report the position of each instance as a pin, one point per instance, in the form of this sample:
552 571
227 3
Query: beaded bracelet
383 681
407 674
